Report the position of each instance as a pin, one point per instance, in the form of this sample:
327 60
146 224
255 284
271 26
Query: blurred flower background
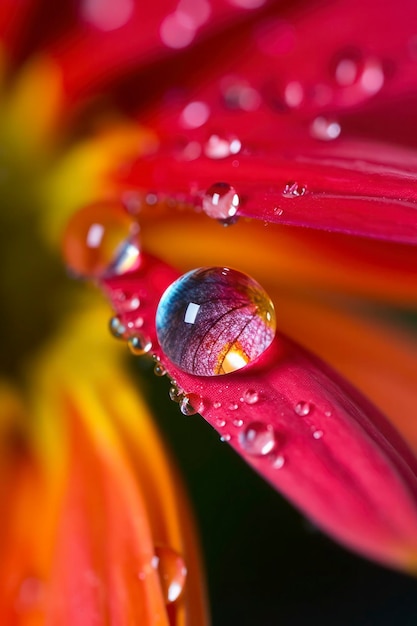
307 109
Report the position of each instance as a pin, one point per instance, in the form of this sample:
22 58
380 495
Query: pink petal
333 454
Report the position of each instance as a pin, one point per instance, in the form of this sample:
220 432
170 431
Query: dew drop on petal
346 71
247 4
139 344
258 439
302 408
190 404
221 423
279 462
101 240
233 406
218 147
117 328
172 572
177 30
217 404
325 129
107 15
221 201
175 394
238 423
318 434
159 369
293 94
293 189
251 396
194 115
214 320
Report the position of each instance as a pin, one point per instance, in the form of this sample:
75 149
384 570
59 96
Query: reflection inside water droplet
258 439
293 189
302 408
221 201
172 572
190 404
214 320
139 344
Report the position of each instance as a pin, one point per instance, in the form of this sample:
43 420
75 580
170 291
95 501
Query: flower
286 145
209 92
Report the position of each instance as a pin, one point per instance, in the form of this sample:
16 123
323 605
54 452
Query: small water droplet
135 324
194 115
175 394
328 413
190 404
206 321
346 70
293 94
117 328
278 211
251 396
217 404
239 94
220 147
279 462
238 423
101 240
303 408
159 370
258 439
325 129
172 572
125 301
233 406
221 202
225 438
318 434
293 189
221 423
139 344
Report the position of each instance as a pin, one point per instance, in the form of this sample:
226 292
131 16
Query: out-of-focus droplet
172 572
217 404
107 15
225 438
258 439
125 302
214 320
293 94
218 147
302 408
318 434
325 129
279 462
238 423
194 115
159 369
139 344
191 403
101 240
239 94
251 396
221 201
177 30
293 189
175 394
117 328
31 595
233 406
247 4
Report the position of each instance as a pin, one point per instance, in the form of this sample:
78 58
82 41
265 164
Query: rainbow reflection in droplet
214 320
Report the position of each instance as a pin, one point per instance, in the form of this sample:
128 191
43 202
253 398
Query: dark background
266 564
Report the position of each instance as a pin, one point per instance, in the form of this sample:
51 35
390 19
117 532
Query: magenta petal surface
305 430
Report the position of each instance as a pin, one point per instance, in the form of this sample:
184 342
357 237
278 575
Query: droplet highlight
117 328
251 396
221 147
303 408
258 439
100 241
139 344
214 320
294 189
172 572
190 404
325 129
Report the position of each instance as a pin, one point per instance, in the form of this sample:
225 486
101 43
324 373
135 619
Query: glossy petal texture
323 444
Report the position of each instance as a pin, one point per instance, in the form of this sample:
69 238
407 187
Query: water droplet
194 115
125 301
107 15
238 94
221 201
221 423
217 404
328 413
135 324
318 434
302 408
248 4
172 572
358 74
293 94
294 190
325 129
346 70
175 394
238 423
159 370
177 30
214 320
117 328
219 147
139 344
278 211
279 462
225 438
101 240
190 404
251 396
258 439
233 406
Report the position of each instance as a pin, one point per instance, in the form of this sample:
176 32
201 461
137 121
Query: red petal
340 461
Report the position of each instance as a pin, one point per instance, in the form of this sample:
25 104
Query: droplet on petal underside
221 201
190 404
172 572
139 344
258 439
101 240
214 320
302 408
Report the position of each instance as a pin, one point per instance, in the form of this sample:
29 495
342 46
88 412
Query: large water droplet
221 201
258 439
139 344
251 396
172 572
101 240
190 404
214 320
